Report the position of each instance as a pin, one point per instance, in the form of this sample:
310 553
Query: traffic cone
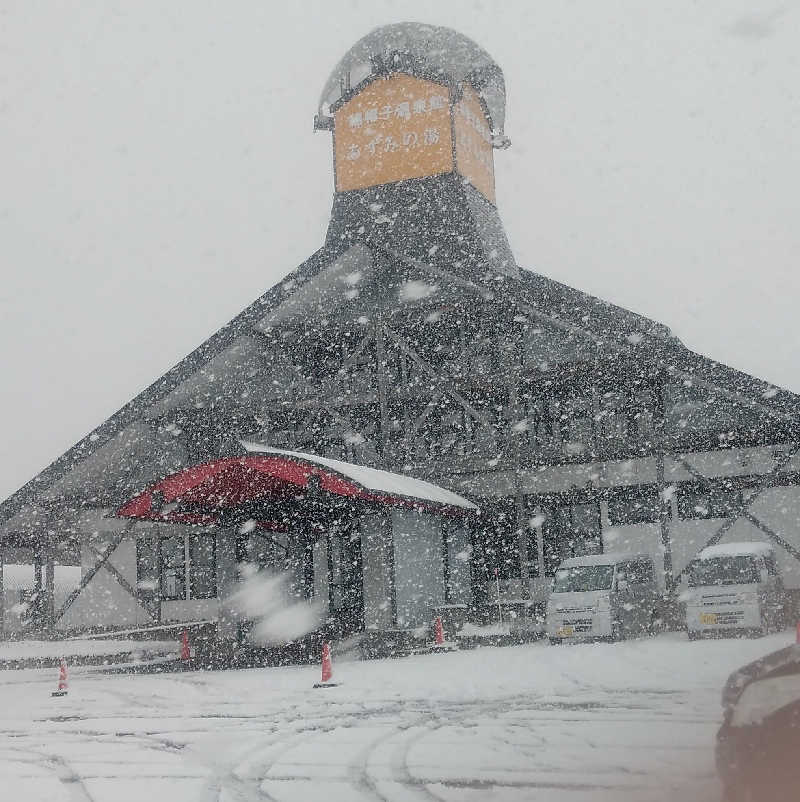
62 679
186 652
439 643
327 668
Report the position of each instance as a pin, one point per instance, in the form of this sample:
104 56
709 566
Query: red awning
227 483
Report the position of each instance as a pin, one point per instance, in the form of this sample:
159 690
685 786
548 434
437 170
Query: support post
522 538
50 585
659 427
38 607
2 592
380 358
512 359
37 569
663 519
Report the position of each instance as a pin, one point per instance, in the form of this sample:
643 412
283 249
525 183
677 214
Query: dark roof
584 316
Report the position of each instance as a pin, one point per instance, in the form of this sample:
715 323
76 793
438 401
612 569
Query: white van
610 596
734 588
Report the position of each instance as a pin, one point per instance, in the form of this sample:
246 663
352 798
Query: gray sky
158 172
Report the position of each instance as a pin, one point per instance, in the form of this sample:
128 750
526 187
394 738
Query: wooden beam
117 574
659 429
689 469
432 404
359 349
380 357
2 592
740 512
312 392
90 575
770 533
49 584
445 384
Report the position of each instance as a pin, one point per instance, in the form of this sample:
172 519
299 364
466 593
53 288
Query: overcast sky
158 172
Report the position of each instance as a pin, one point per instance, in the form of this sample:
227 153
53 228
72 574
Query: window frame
179 568
688 495
553 511
185 567
629 496
207 568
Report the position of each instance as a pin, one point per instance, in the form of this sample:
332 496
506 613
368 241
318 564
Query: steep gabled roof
137 406
569 310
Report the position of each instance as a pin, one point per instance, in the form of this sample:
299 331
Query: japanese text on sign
395 128
474 151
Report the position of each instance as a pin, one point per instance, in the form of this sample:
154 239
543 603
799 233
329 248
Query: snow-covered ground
631 721
35 649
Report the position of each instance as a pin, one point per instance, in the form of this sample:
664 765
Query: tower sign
400 126
474 151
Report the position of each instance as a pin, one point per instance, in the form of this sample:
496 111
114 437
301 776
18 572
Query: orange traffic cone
438 631
62 679
327 668
439 643
186 652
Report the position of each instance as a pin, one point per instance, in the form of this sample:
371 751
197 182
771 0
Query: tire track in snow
68 777
57 765
365 776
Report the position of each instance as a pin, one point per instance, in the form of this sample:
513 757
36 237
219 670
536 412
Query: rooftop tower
416 113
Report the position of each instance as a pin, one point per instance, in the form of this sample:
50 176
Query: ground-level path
628 721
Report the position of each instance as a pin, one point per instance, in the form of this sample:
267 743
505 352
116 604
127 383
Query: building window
176 568
147 581
202 566
709 501
571 531
497 541
173 568
538 422
578 435
612 427
635 505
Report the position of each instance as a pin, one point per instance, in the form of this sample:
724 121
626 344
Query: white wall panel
419 568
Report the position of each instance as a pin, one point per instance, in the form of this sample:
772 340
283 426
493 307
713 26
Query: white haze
263 599
158 172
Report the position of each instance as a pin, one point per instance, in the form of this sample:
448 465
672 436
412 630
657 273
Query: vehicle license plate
708 618
565 632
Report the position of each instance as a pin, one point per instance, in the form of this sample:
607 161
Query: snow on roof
435 51
610 558
375 479
21 575
745 549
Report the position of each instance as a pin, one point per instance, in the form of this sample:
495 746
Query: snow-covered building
412 342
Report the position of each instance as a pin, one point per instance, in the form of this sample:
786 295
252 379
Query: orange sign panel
395 128
474 152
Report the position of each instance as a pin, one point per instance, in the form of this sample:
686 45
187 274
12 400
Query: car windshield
583 578
733 570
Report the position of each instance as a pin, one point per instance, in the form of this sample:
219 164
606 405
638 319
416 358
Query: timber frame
412 341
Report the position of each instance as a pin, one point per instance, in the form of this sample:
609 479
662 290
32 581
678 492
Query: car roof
743 549
609 558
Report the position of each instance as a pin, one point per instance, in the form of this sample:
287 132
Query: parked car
735 588
759 741
610 596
